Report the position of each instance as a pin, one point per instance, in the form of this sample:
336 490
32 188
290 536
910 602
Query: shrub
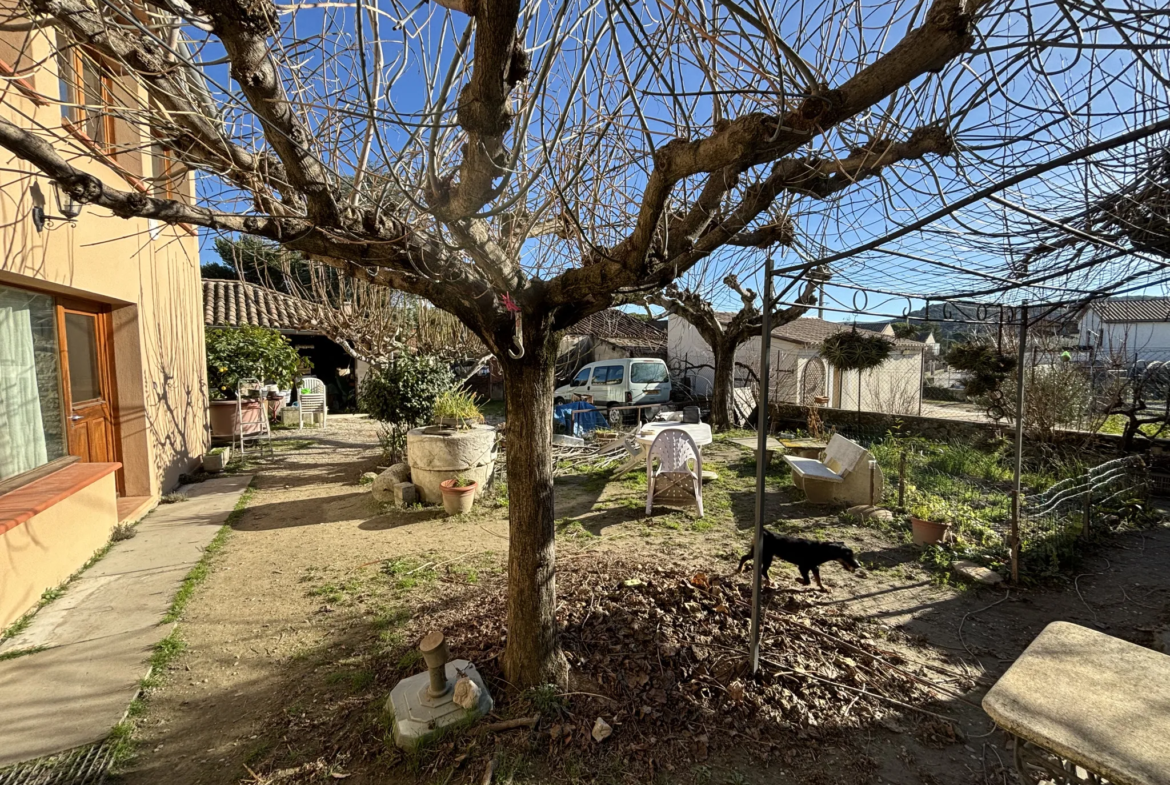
404 392
458 405
235 353
1057 396
988 367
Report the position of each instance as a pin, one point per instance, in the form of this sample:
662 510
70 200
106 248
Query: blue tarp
587 419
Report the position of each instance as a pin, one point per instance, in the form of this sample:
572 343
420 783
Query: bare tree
546 159
725 335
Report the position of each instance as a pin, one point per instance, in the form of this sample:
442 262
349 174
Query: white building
798 373
1136 329
925 337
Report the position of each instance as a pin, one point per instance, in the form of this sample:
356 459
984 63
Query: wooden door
87 376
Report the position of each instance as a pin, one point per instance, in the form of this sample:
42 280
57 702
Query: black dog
807 555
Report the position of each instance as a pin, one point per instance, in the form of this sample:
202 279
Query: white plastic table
699 431
1091 701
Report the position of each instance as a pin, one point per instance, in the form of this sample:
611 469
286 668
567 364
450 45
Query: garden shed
609 335
798 372
229 304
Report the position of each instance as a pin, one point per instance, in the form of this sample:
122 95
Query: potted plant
930 520
853 350
242 353
458 495
456 409
217 459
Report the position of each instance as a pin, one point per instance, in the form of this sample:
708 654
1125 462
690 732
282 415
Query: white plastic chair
674 483
312 401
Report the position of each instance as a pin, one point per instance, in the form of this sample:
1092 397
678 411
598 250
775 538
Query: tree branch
243 26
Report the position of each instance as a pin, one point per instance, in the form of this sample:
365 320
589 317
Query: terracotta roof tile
613 323
810 331
236 304
1134 309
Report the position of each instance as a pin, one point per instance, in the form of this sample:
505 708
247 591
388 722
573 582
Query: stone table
1095 701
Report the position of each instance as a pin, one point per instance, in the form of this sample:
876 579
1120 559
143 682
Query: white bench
841 475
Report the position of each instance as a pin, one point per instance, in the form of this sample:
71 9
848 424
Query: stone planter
457 501
437 454
927 532
223 419
217 461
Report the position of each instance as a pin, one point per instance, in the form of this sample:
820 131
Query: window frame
77 106
609 369
168 173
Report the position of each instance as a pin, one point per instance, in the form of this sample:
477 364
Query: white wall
1133 340
895 387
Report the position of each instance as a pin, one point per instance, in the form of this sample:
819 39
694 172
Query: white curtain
22 430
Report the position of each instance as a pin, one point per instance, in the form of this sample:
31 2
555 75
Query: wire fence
1064 501
1101 499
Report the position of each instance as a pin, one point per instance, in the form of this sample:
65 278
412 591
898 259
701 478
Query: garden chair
673 482
846 472
313 401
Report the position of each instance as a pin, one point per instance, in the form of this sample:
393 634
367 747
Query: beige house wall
45 550
147 272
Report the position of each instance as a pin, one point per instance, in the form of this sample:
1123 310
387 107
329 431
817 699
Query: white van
629 381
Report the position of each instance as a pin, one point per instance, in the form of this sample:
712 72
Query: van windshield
648 373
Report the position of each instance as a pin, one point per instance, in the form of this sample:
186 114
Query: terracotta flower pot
927 532
457 501
223 418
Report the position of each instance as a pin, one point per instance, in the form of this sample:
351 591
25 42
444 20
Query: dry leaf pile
660 654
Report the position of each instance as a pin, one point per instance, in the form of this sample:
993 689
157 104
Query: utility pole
761 469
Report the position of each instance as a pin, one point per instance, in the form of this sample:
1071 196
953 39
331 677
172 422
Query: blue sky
1054 101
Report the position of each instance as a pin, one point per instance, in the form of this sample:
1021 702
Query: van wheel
614 417
558 401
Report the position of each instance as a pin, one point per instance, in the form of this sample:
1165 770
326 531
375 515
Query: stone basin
436 454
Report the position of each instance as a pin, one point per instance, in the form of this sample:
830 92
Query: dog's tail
747 557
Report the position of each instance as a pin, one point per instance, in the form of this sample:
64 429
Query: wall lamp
70 208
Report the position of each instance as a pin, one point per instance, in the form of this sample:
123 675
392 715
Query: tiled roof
1134 309
613 323
810 331
236 303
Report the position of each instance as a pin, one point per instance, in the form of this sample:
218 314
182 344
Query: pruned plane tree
524 165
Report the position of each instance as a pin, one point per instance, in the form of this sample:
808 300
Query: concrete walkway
96 639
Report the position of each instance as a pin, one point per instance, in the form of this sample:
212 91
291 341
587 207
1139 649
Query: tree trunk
722 395
533 655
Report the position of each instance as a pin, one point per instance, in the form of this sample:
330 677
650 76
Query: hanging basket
856 351
988 368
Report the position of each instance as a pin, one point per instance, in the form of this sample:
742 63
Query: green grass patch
288 445
12 655
202 568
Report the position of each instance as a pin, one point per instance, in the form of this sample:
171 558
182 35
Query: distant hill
954 322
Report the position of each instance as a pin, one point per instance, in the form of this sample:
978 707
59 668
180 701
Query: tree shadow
396 519
295 512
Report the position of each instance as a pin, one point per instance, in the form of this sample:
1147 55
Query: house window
168 173
87 94
32 431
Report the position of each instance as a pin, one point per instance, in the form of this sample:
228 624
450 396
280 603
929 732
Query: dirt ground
310 612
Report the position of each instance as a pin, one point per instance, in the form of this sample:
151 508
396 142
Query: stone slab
97 637
869 512
73 695
752 443
1093 699
969 570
